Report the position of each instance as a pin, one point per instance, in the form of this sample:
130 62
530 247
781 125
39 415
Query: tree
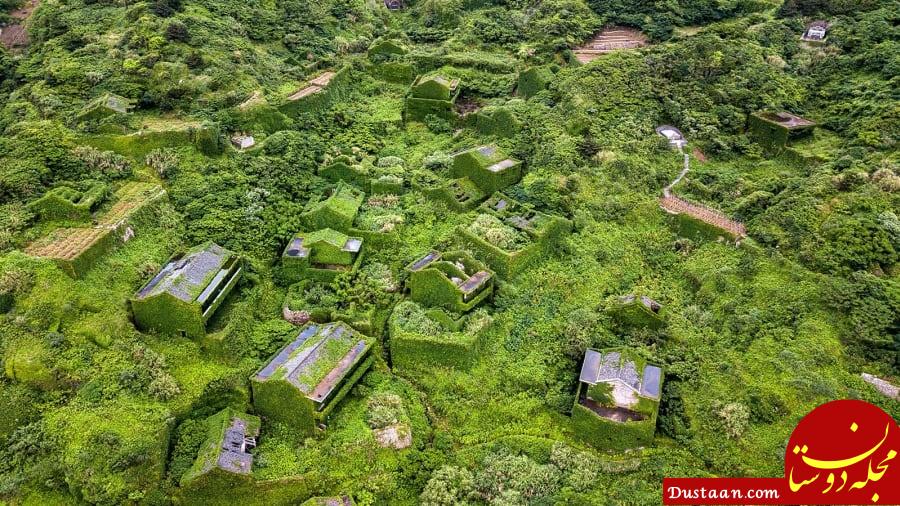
178 31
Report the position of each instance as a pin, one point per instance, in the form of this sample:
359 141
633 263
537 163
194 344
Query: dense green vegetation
754 336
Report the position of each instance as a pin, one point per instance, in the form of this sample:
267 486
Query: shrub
107 162
177 31
438 161
734 416
164 161
384 409
411 317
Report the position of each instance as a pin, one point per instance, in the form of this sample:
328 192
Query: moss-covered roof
620 365
224 429
317 360
188 276
345 200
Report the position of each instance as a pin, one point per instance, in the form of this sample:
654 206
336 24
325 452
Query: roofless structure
618 399
488 168
307 378
321 255
186 292
225 454
452 280
774 130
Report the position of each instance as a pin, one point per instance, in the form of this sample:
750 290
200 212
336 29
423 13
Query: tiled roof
188 276
612 366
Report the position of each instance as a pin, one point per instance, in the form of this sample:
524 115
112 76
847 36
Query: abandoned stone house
183 296
618 399
620 373
453 280
231 436
431 95
321 255
335 209
774 130
816 31
307 378
539 231
638 311
487 167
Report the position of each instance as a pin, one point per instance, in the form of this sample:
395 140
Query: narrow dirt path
15 35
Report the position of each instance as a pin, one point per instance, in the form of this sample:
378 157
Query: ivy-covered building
76 249
459 194
431 95
638 311
335 209
453 280
618 399
775 130
307 378
186 292
346 168
67 203
224 458
425 338
509 235
488 168
105 105
321 255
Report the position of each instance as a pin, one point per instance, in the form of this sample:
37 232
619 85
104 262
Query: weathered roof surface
233 456
285 353
616 368
66 243
352 245
501 166
613 366
487 150
305 92
475 281
650 381
192 276
323 79
426 260
786 119
317 360
295 248
591 366
131 198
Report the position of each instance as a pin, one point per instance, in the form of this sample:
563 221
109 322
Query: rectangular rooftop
192 276
317 360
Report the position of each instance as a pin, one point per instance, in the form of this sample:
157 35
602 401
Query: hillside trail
15 35
676 205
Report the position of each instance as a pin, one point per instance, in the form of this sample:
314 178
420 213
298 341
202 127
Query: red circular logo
844 452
